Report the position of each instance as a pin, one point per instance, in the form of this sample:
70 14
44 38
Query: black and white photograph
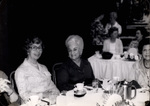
74 53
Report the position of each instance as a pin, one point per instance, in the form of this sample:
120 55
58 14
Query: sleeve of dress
121 47
22 84
104 46
119 30
54 89
63 79
107 27
91 77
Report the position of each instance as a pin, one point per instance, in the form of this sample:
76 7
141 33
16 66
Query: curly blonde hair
77 40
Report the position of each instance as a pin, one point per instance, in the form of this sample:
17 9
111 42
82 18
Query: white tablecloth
107 69
91 99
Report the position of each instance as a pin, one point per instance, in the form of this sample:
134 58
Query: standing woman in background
33 78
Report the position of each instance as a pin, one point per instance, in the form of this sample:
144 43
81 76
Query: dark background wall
4 65
53 22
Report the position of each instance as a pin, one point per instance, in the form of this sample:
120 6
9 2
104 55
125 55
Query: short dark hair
142 43
112 29
32 40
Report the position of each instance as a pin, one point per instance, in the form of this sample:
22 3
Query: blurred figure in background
97 30
113 44
113 23
75 69
33 78
133 46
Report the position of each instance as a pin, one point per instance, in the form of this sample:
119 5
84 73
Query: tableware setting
142 97
117 94
79 93
130 56
79 90
95 84
102 98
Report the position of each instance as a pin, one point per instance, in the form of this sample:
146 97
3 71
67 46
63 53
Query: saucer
80 93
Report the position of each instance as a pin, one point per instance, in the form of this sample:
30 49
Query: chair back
12 80
55 68
14 86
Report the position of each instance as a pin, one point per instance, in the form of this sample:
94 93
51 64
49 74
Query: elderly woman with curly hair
141 69
75 69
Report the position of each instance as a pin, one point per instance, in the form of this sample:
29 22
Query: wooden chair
55 68
14 86
12 79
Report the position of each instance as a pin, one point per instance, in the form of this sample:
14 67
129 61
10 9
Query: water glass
95 84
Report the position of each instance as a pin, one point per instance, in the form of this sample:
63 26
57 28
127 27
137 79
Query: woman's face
35 51
146 52
114 35
73 51
138 35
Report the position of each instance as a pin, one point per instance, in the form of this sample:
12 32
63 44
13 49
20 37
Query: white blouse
32 81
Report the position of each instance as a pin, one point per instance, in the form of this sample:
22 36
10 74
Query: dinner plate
80 93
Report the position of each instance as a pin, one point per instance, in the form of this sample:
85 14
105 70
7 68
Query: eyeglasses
36 48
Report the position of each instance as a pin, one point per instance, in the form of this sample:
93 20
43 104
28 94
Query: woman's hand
4 87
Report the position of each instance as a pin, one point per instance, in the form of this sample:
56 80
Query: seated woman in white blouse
113 44
33 78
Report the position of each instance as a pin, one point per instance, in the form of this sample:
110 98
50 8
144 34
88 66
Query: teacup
79 86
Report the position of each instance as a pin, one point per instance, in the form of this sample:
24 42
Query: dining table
109 68
98 98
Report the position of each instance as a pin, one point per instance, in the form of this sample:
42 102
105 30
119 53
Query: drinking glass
95 84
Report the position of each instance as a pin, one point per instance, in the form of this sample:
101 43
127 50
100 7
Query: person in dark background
113 44
33 78
75 69
137 10
113 23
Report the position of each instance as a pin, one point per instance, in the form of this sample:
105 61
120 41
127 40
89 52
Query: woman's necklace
146 64
147 71
33 64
